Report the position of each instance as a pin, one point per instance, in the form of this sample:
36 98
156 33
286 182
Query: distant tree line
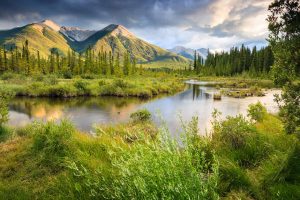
236 61
102 62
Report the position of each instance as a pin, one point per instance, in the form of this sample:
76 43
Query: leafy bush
7 76
68 75
61 91
257 111
102 82
141 115
5 133
82 87
159 169
52 141
241 139
51 80
4 98
120 83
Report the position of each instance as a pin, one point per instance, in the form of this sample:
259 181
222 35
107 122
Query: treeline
236 61
102 62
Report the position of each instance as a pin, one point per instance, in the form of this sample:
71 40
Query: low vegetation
55 86
243 159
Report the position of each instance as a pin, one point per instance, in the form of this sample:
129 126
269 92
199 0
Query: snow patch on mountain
188 52
75 33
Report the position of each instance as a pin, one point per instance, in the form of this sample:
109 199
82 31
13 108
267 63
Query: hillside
46 36
41 36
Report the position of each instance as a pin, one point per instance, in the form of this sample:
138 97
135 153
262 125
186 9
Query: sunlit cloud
217 24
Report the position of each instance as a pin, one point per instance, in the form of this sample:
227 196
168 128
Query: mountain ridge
189 52
46 35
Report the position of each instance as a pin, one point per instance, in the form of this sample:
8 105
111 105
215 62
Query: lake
86 112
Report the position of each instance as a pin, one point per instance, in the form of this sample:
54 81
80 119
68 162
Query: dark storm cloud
131 13
195 23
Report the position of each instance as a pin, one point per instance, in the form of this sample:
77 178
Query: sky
214 24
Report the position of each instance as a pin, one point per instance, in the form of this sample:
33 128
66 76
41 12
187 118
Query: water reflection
84 112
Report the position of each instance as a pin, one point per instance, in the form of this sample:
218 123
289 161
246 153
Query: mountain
117 39
75 33
47 36
188 52
43 36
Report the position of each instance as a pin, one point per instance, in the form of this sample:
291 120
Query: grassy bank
51 86
244 159
236 81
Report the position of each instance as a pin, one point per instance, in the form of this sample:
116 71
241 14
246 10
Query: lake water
86 112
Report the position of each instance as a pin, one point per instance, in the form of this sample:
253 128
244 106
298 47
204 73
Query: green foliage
82 86
4 99
257 111
51 142
289 103
239 61
284 26
159 169
254 158
242 140
141 116
284 38
5 133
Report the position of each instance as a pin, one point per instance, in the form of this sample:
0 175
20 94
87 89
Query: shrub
82 87
257 111
68 75
88 76
7 76
51 80
61 91
4 98
120 83
159 169
141 115
102 82
5 133
240 140
52 141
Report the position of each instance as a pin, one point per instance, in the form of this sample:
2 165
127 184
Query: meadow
241 159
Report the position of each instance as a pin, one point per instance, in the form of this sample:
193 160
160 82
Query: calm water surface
85 113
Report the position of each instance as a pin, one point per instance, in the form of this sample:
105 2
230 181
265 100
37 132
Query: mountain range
188 52
47 36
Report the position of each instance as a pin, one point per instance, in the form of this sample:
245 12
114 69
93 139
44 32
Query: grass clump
51 142
150 169
141 115
255 156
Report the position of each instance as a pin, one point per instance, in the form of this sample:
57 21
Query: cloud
192 23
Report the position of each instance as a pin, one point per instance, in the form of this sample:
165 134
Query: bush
5 133
4 99
51 80
160 169
240 140
52 142
120 83
7 76
61 91
68 75
141 116
257 112
102 82
82 87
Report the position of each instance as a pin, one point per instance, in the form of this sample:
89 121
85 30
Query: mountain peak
51 24
117 29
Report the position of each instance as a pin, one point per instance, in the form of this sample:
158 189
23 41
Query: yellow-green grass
49 86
